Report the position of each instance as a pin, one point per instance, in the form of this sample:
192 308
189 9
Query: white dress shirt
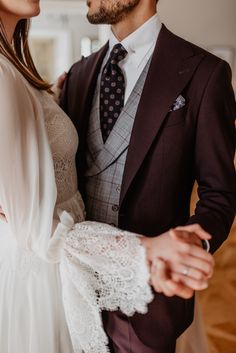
140 46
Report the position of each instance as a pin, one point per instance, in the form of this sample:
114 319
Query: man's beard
112 13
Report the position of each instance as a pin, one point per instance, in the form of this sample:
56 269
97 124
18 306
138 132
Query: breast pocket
176 117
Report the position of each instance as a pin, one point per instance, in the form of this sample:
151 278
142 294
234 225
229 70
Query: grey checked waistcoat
106 162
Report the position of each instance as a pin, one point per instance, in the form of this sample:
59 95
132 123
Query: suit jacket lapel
88 75
84 88
172 66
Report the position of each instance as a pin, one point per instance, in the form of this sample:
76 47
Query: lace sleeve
102 267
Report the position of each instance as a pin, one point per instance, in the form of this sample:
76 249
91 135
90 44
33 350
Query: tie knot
118 53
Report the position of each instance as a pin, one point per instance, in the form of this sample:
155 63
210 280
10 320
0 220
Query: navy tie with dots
112 91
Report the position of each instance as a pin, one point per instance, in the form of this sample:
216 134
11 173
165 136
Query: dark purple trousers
122 337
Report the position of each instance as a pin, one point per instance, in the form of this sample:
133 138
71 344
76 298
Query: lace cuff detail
102 267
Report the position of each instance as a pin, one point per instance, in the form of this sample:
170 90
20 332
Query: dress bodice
63 140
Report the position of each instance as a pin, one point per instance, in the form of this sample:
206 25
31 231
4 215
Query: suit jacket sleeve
214 155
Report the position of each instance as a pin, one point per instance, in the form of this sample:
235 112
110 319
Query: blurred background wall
208 23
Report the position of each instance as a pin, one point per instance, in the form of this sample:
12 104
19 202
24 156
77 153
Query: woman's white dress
53 287
57 272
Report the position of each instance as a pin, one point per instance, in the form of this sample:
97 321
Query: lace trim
102 268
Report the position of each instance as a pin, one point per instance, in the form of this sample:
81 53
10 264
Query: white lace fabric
101 267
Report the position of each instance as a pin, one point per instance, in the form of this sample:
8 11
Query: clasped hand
178 263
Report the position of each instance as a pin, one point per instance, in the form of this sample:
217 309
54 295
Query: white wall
204 22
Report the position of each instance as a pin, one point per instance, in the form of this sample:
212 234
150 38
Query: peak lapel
84 89
172 66
86 82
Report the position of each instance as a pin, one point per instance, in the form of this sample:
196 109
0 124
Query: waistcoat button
118 189
115 208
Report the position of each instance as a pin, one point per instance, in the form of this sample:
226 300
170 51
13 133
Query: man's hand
162 281
57 87
186 267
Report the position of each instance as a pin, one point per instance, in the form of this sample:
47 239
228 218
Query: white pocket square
179 103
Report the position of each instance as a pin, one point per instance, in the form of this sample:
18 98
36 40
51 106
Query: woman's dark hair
18 54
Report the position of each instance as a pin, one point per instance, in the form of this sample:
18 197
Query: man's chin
93 19
96 21
96 18
102 18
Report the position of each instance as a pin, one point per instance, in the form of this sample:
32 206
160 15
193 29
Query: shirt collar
140 41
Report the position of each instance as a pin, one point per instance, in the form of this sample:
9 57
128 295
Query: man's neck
132 22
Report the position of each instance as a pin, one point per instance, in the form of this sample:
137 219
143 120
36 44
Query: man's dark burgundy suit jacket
168 151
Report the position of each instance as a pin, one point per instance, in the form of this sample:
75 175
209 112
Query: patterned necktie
112 91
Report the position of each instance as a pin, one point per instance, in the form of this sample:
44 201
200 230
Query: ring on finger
185 271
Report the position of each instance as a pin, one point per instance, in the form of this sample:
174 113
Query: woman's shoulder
10 77
12 81
15 86
7 69
15 92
